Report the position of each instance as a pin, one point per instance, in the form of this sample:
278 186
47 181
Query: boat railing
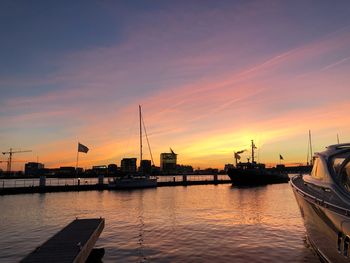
321 202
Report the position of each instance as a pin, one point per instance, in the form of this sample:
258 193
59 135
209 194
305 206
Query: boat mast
253 146
310 145
140 134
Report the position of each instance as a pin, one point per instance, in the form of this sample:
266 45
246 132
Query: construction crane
10 153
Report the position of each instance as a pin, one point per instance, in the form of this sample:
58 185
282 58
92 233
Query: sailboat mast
140 134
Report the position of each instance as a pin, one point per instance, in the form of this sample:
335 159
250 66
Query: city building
168 162
100 170
146 167
128 165
112 169
66 171
184 169
33 168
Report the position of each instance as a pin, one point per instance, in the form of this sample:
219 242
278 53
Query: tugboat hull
254 177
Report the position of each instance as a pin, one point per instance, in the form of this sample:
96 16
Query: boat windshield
341 167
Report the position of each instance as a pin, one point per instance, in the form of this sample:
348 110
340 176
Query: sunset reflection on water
167 224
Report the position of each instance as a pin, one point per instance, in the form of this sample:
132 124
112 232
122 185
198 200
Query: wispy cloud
208 83
337 63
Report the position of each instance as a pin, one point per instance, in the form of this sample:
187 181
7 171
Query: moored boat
136 180
131 182
324 201
254 174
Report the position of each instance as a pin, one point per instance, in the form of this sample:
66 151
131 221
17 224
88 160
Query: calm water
168 224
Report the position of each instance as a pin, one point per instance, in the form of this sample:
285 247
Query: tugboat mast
253 147
140 134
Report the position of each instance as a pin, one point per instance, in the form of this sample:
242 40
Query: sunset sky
210 76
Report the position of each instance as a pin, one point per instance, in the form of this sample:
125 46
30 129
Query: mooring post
215 179
42 181
100 179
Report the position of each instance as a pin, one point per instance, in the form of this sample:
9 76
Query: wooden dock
72 244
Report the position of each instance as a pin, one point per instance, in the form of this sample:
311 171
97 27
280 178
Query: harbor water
209 223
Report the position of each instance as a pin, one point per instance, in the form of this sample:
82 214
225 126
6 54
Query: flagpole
76 166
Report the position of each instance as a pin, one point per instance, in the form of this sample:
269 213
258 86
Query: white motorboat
324 201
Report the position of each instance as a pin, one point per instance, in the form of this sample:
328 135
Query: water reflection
169 224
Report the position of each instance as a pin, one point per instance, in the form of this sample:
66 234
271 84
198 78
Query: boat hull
326 229
132 183
253 177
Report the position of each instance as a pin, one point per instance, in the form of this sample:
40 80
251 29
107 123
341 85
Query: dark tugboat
324 201
254 174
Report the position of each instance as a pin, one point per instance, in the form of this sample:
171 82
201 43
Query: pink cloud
101 88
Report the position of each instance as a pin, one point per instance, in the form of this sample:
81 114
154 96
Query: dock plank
72 244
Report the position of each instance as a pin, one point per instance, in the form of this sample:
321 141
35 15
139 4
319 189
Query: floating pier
72 244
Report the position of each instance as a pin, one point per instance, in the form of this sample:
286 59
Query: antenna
253 147
310 145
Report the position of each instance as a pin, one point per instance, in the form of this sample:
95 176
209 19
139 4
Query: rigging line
149 147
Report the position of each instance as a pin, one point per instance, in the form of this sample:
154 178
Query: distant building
128 165
112 169
66 171
168 162
33 168
184 169
207 171
100 169
146 167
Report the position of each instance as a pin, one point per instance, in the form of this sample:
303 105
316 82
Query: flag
281 157
237 156
82 148
172 152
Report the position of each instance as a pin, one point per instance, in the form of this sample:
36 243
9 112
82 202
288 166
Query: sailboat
137 180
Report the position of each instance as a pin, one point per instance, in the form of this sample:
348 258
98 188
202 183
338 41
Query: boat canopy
333 163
